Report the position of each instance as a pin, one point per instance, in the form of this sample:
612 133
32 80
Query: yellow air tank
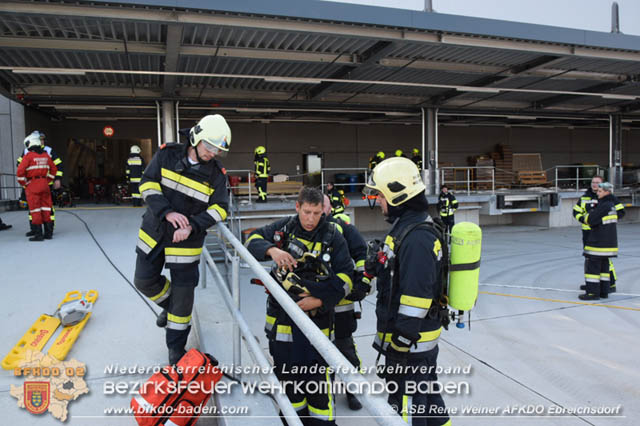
464 272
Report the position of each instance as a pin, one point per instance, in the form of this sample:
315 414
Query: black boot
353 402
48 230
4 226
583 287
161 321
589 296
175 355
32 232
38 235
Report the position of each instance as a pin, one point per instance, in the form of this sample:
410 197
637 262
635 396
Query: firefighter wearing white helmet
53 185
407 265
262 169
185 189
135 167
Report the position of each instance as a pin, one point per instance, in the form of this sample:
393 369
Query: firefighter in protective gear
409 282
336 196
262 170
375 160
346 316
447 206
185 189
417 158
601 244
35 172
135 167
57 182
287 241
586 204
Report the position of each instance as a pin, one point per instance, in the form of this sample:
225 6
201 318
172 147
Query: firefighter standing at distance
135 167
447 206
375 160
409 285
262 170
601 244
346 319
295 244
585 205
417 158
336 196
55 184
184 188
36 171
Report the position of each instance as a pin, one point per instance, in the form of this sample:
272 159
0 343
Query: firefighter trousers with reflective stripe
312 399
261 186
175 296
597 275
419 404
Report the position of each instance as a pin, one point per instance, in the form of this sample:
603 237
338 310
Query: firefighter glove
361 289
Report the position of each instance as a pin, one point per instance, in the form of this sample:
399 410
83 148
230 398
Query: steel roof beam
174 41
563 98
350 30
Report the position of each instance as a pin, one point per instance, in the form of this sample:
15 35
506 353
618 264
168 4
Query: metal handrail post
577 179
289 413
468 181
321 179
235 292
249 185
203 270
556 179
376 405
493 180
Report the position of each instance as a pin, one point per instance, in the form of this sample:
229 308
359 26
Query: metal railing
575 176
9 188
248 185
232 300
470 178
376 405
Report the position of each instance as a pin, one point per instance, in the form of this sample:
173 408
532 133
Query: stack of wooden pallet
503 159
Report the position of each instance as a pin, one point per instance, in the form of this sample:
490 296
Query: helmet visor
209 146
370 188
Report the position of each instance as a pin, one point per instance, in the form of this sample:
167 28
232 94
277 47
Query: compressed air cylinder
465 248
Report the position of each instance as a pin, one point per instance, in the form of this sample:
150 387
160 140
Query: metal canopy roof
308 60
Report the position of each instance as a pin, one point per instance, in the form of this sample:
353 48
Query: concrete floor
531 343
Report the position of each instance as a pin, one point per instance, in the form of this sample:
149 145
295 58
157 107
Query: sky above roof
594 15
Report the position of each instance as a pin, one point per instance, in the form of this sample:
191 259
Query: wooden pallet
532 178
289 187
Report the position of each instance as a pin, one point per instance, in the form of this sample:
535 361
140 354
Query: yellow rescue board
35 338
63 344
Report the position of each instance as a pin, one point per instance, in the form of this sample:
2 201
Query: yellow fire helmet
416 151
260 150
399 153
397 179
213 130
380 154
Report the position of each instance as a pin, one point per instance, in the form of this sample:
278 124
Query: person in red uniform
35 172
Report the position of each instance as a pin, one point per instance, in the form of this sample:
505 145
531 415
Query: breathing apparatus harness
383 255
312 265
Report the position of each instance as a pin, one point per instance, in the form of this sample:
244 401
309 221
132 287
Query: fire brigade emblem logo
36 397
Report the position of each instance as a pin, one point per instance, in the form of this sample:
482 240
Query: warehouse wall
351 145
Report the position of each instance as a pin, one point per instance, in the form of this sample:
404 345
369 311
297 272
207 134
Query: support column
615 150
430 149
168 130
12 134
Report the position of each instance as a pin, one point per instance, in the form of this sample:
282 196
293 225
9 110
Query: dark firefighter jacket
54 157
447 204
417 159
602 240
587 202
358 253
279 327
171 184
337 200
135 167
262 166
404 328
